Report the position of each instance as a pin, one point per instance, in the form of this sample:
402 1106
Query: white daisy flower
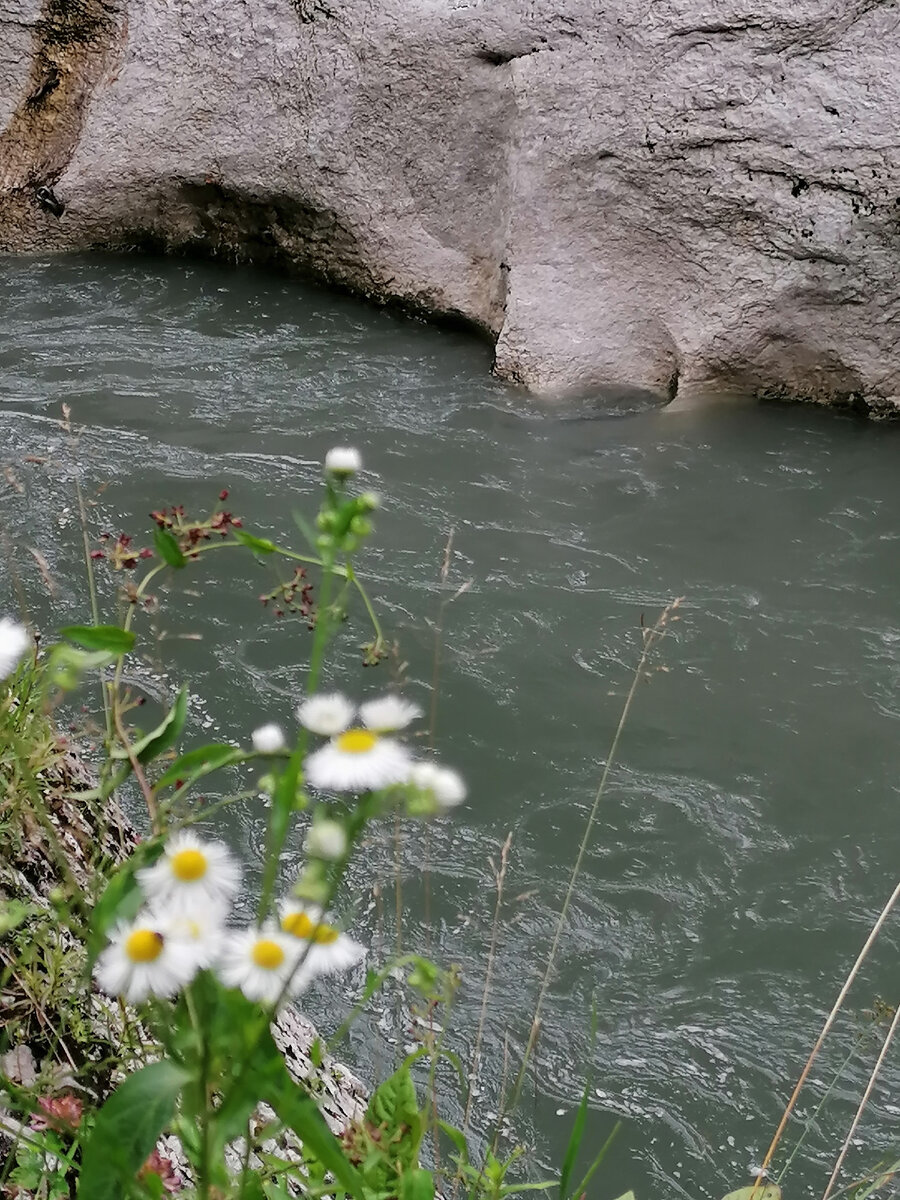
140 961
323 949
263 964
327 715
326 839
268 739
201 928
388 713
359 760
192 873
14 642
445 785
343 461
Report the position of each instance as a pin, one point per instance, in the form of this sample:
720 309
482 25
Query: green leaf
458 1138
66 664
121 899
393 1103
195 764
168 549
126 1130
768 1191
301 1113
574 1143
100 637
164 736
394 1109
598 1159
260 545
417 1184
14 913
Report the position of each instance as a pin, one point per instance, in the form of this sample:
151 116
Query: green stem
286 790
376 624
322 631
812 1120
92 592
651 637
203 1181
383 975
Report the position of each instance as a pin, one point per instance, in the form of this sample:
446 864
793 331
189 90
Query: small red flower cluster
188 531
58 1112
164 1168
284 598
120 553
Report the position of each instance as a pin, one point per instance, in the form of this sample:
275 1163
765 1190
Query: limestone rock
688 196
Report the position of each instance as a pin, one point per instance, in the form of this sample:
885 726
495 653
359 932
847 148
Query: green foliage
489 1180
195 764
768 1191
45 1164
257 544
66 665
301 1114
126 1130
109 638
160 739
120 900
213 1059
417 1184
168 549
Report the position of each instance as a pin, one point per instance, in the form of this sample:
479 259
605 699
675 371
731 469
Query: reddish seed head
97 554
62 1112
223 495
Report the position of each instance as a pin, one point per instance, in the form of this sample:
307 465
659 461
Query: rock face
688 196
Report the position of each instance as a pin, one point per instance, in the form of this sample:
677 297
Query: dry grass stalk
826 1029
876 1070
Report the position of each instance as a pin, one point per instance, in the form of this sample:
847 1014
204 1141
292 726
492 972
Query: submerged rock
695 197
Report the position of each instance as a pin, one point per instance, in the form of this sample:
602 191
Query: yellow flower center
144 945
268 954
356 741
299 925
188 865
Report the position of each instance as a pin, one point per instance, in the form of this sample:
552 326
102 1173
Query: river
749 834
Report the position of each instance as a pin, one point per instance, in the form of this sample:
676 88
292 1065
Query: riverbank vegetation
142 978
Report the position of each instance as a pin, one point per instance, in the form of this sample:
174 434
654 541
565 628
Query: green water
750 833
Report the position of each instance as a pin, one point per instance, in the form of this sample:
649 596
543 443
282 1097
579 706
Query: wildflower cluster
362 756
188 531
170 919
296 595
343 521
120 552
183 929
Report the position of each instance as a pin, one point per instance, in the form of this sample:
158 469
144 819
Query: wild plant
192 990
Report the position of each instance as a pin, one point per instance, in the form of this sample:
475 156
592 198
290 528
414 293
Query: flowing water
750 832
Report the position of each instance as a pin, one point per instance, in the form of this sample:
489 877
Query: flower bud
268 739
327 840
343 461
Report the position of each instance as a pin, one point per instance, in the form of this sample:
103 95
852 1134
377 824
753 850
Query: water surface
750 831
